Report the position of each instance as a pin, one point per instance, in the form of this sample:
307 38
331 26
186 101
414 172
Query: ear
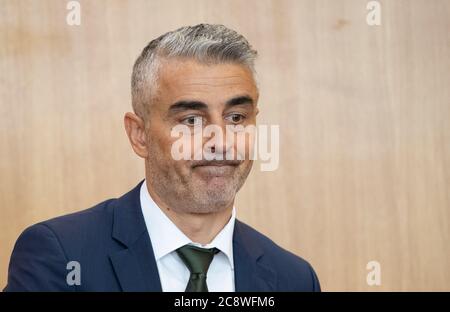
135 128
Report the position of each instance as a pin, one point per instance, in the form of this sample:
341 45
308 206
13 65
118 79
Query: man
176 230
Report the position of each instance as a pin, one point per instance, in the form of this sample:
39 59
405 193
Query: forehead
180 79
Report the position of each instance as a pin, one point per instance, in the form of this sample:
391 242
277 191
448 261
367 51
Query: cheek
244 144
159 136
164 149
159 145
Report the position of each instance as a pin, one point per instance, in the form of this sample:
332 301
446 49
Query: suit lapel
135 265
250 274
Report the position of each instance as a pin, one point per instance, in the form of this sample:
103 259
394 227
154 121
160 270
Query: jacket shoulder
78 230
43 250
294 273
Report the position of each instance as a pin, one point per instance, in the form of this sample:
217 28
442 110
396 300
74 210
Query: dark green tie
197 261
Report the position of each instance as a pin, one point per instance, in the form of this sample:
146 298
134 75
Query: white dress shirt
166 237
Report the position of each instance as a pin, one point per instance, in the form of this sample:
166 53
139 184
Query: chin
213 201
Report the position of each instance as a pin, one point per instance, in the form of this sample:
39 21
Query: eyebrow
198 105
239 100
187 105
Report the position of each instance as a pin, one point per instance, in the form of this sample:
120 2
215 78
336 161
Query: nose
218 143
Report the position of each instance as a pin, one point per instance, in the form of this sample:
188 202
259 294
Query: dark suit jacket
112 245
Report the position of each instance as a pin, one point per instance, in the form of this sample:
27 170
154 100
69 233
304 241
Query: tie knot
197 259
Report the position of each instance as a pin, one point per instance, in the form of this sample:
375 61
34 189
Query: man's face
198 95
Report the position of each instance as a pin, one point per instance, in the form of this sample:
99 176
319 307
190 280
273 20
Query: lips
216 168
216 163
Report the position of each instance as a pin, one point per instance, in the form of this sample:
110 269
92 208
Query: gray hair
205 43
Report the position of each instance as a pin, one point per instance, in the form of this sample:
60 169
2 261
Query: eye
235 118
192 120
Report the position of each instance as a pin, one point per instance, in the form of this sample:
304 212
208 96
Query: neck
199 227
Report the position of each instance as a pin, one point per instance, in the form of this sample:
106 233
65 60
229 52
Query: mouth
216 168
216 163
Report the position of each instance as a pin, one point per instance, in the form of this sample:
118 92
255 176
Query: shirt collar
166 237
